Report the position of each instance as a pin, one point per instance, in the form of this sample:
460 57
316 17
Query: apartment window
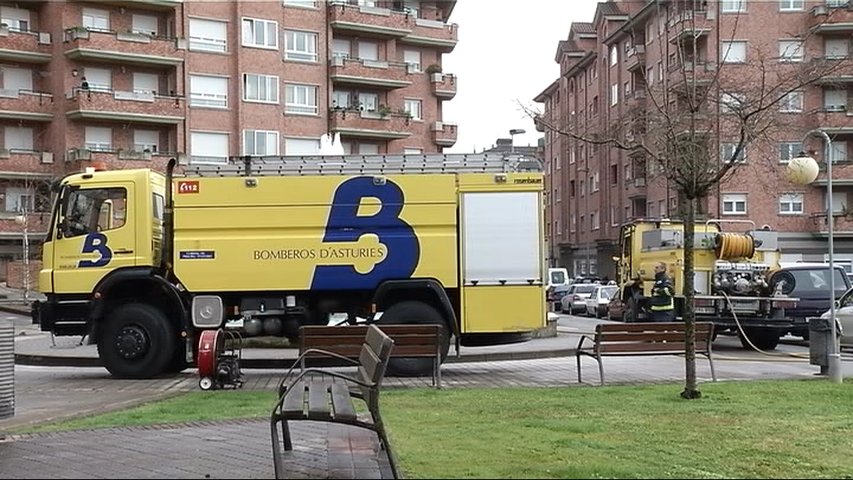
300 3
368 51
791 50
614 174
207 91
301 99
734 204
614 94
583 187
413 108
260 88
99 138
146 140
733 52
791 204
208 35
145 83
208 147
412 59
571 188
95 19
836 3
594 220
301 146
99 78
340 99
145 24
260 33
16 18
835 100
733 6
839 202
340 48
614 55
574 224
791 5
838 152
727 150
571 155
731 102
595 178
18 138
16 79
368 148
789 151
613 220
300 46
836 47
792 103
650 76
368 102
20 199
260 142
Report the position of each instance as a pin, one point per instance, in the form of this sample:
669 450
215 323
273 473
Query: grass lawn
778 429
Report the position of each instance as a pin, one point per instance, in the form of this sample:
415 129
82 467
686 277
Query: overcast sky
505 55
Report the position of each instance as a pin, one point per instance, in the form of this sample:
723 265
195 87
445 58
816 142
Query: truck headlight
207 311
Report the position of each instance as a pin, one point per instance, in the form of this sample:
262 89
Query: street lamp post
512 133
804 170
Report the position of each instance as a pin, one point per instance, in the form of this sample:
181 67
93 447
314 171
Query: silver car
575 299
596 303
844 316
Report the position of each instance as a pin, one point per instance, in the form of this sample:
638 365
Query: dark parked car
555 294
810 284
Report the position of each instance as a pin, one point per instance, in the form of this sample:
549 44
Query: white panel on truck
501 238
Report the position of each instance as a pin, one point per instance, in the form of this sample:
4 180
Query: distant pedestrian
662 301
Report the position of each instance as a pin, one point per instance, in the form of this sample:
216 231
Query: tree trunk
689 314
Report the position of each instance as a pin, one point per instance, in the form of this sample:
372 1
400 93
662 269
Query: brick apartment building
605 67
201 81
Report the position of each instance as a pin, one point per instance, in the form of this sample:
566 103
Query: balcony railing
444 134
27 163
123 105
834 119
127 47
77 159
433 33
380 74
373 20
636 57
370 124
443 85
26 105
27 47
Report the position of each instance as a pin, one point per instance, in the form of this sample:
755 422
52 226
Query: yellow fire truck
142 262
733 276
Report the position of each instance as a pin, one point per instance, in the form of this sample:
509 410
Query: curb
279 363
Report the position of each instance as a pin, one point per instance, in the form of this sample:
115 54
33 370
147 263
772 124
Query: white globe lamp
802 170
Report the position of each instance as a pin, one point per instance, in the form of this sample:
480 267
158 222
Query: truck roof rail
297 165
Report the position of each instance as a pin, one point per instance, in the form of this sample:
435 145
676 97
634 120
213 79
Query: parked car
596 303
810 284
575 298
555 294
844 316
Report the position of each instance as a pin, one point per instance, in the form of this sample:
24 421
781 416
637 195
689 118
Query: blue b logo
344 225
96 243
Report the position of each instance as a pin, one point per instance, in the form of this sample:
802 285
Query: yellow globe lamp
802 170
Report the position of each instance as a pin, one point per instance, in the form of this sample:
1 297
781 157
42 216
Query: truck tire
762 338
137 341
415 312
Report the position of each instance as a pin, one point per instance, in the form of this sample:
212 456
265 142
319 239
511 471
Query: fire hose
729 246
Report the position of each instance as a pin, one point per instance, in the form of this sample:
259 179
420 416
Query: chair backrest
373 360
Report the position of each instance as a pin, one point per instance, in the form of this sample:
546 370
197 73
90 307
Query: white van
557 277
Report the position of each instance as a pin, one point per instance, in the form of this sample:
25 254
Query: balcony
24 47
124 106
635 59
836 120
26 105
432 33
688 25
125 47
443 85
635 100
843 225
147 4
37 224
371 20
444 134
77 159
371 73
370 124
25 164
828 20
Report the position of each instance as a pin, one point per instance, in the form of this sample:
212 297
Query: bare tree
674 138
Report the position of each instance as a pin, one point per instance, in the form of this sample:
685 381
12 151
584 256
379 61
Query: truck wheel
415 312
137 342
762 338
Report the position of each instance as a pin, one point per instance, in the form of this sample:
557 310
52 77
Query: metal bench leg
278 463
600 369
437 374
383 441
713 374
285 428
578 358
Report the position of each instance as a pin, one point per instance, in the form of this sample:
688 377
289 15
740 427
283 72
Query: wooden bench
645 338
410 341
323 395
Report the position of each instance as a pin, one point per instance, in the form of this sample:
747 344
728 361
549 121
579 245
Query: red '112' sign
188 187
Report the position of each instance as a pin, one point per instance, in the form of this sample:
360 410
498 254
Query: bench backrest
650 337
409 340
373 360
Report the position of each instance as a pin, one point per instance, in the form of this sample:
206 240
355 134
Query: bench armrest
301 357
584 337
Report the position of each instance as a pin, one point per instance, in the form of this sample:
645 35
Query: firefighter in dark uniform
662 301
